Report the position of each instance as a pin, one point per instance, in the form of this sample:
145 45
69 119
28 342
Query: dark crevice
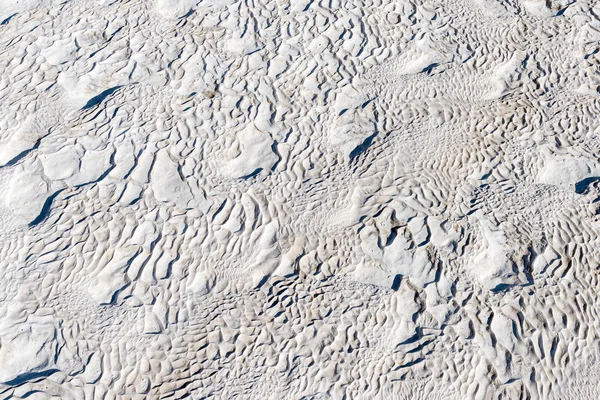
252 174
30 376
5 21
94 101
45 209
276 151
22 154
582 186
362 147
221 207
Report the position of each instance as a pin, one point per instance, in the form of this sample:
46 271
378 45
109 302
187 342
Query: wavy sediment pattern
298 199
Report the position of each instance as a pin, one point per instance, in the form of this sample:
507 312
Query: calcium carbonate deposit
300 199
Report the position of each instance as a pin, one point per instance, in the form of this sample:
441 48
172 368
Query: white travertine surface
300 199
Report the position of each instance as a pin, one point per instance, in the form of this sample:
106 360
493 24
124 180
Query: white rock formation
296 199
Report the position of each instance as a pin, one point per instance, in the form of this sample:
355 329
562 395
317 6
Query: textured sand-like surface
300 199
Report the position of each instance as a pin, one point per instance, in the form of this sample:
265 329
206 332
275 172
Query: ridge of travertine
299 199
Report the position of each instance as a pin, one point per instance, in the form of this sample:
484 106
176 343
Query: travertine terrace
300 199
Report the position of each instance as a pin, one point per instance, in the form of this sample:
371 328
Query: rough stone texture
295 199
